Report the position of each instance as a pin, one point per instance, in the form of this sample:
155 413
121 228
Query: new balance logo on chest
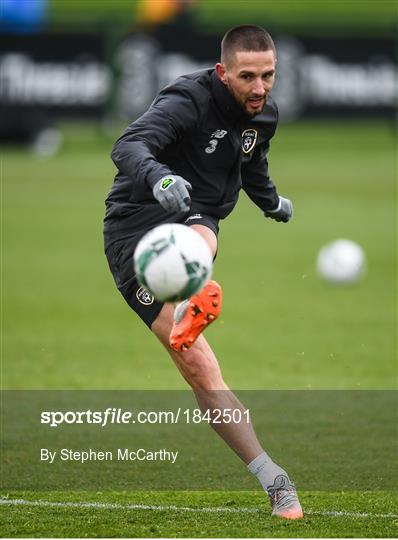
215 136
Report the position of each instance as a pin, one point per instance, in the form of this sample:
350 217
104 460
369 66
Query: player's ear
221 72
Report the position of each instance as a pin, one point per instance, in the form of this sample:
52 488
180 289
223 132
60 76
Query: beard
243 102
253 113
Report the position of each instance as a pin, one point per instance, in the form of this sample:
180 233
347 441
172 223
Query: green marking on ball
155 249
197 276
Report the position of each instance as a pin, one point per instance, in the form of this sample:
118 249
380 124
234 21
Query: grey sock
180 310
266 470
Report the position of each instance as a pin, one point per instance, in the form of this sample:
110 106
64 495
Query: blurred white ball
173 262
341 261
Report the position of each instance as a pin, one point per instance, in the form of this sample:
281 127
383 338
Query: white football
173 262
341 261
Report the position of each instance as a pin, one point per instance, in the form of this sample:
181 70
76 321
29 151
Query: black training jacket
197 130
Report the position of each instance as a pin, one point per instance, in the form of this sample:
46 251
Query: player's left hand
283 212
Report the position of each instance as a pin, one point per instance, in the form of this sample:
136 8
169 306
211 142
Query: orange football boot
192 316
283 497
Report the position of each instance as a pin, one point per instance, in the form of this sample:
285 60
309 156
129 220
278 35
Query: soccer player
204 138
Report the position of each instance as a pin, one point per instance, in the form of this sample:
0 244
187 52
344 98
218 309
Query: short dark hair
246 37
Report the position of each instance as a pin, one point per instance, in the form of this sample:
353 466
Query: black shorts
120 259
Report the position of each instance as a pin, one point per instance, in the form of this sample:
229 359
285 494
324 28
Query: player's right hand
172 193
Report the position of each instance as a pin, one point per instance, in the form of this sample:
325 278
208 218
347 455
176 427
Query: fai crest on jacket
249 138
144 296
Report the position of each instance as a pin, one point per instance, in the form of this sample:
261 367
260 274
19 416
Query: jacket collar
225 100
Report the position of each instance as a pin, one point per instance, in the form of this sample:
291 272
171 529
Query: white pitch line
173 508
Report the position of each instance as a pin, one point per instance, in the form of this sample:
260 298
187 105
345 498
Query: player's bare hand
283 212
172 193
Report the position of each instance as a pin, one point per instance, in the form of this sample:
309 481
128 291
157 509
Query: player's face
250 78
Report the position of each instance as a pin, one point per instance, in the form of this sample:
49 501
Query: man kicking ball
204 138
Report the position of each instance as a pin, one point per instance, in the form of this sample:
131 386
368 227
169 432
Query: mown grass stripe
173 508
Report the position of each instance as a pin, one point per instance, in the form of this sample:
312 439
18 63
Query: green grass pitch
65 326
